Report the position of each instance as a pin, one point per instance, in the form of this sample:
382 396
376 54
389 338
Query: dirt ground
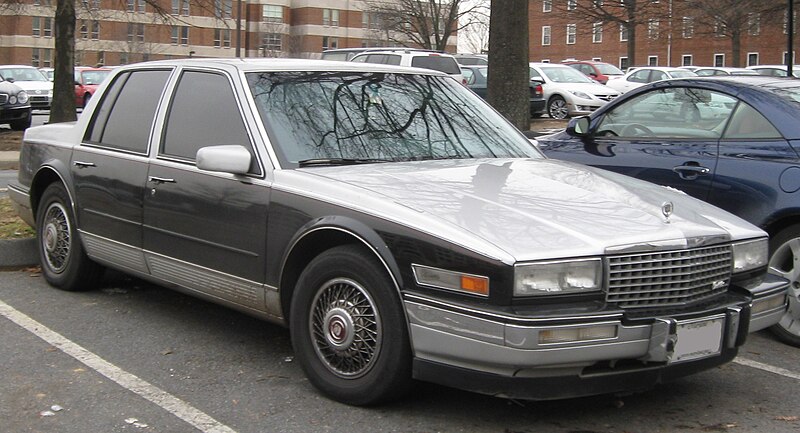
10 140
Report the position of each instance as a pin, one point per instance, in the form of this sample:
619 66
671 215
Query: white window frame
794 57
653 28
619 63
547 35
597 59
757 58
652 60
272 14
547 6
714 59
754 24
545 61
623 33
687 56
597 32
687 27
572 31
572 5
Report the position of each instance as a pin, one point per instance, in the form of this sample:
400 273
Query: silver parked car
569 92
397 225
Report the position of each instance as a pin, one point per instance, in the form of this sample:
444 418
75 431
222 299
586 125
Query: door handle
690 171
81 164
160 180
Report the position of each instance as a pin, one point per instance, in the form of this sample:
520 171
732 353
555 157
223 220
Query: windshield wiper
339 161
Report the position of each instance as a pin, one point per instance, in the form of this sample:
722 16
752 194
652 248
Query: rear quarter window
448 65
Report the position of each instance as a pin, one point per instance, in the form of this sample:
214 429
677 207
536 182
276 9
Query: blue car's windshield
379 116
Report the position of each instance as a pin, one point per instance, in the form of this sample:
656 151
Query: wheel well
40 183
776 226
306 249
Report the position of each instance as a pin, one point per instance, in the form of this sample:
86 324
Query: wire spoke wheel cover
56 238
345 328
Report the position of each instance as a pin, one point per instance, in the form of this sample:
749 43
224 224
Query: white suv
426 59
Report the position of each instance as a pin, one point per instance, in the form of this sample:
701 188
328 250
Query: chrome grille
606 97
668 278
3 98
38 98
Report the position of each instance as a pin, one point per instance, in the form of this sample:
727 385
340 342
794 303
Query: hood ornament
666 209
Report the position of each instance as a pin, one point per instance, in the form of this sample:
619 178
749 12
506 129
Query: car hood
520 209
35 87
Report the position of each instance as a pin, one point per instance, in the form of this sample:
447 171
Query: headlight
580 94
555 278
22 97
750 255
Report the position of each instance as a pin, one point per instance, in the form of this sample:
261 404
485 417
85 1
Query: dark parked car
733 142
398 226
15 110
475 78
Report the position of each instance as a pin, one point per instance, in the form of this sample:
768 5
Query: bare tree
509 74
628 14
425 23
475 35
732 19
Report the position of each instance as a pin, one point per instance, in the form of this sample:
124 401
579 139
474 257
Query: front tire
64 263
557 108
348 329
22 124
784 260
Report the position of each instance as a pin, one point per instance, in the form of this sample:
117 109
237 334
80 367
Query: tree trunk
631 44
509 75
736 49
63 106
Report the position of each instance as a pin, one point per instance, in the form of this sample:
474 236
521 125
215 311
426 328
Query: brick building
670 38
111 32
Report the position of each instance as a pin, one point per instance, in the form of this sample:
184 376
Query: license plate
698 339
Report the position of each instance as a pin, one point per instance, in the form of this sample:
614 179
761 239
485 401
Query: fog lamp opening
576 334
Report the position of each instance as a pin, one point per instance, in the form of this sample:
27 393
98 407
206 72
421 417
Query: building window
687 29
719 60
686 60
87 4
42 26
330 17
142 5
101 58
597 3
752 59
572 31
597 59
222 38
330 43
623 63
754 24
124 58
271 42
652 28
223 9
272 14
786 57
131 5
135 32
652 60
786 23
597 33
546 35
95 30
42 58
547 5
180 35
180 7
719 29
623 33
545 60
84 29
572 4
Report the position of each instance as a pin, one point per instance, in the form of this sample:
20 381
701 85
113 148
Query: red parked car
599 71
86 82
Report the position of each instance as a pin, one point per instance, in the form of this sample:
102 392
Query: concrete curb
18 253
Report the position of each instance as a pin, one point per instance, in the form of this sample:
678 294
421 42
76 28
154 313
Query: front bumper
12 114
504 355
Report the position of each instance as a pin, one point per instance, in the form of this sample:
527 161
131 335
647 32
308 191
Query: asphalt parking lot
133 357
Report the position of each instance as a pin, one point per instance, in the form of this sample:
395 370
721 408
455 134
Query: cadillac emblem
666 209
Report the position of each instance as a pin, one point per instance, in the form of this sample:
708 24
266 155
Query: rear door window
124 118
448 65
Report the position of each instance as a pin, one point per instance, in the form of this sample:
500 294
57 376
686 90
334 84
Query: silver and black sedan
399 227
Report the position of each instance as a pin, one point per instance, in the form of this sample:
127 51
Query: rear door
110 167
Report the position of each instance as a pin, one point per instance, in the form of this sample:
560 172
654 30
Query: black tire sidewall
69 278
390 374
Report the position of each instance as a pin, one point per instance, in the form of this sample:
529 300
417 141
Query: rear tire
348 328
64 263
784 260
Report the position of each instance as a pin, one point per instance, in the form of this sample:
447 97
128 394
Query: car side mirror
232 159
579 126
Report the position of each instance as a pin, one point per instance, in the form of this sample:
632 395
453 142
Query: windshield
379 116
94 77
680 73
23 74
608 69
565 74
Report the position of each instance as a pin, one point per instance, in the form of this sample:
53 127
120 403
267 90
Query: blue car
733 142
